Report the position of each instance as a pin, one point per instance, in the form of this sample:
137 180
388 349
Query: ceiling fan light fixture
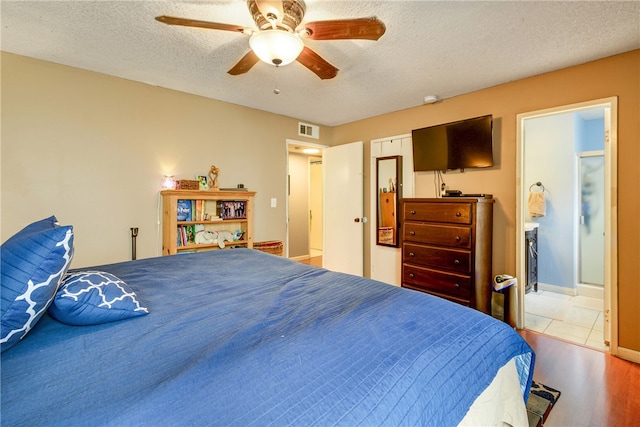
276 47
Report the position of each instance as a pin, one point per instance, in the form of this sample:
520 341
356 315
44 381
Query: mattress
241 337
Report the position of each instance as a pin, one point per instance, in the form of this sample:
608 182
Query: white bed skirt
499 404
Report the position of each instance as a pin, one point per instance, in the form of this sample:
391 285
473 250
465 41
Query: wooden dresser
446 248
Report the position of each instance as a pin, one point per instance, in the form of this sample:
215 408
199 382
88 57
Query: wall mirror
389 192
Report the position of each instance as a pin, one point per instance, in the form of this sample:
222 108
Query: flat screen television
457 145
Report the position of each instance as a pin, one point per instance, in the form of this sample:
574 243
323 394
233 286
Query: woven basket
275 247
187 184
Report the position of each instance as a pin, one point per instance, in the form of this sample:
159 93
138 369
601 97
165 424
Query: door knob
362 220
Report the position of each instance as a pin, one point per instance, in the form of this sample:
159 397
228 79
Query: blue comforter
240 338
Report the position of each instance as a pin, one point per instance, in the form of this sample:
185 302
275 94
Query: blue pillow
35 227
94 297
33 264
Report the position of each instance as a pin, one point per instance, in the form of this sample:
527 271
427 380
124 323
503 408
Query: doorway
550 150
342 206
304 202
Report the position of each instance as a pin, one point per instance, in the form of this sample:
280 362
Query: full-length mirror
389 185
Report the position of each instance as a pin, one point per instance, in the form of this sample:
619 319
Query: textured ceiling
442 48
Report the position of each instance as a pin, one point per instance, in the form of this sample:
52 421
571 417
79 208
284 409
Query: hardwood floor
597 389
316 261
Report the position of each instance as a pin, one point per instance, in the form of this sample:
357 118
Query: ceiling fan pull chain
276 90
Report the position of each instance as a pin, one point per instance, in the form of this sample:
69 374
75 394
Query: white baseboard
628 354
557 289
591 291
582 290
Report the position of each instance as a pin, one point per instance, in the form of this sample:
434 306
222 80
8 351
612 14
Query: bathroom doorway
555 147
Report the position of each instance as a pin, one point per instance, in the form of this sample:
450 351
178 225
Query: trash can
501 285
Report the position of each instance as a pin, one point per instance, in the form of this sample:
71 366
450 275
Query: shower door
591 240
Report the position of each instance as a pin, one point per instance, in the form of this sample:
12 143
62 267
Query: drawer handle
458 214
411 254
456 262
413 212
458 238
411 275
457 285
413 233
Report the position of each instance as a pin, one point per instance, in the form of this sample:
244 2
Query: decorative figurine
214 172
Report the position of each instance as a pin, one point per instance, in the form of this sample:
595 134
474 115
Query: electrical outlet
274 202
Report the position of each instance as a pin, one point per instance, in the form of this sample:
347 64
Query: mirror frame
398 195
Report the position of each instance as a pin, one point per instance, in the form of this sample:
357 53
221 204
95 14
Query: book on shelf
183 236
186 235
185 210
190 231
199 210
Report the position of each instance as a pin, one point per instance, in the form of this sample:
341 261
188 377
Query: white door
343 208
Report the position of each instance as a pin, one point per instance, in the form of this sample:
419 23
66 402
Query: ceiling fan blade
272 10
171 20
341 29
317 64
245 64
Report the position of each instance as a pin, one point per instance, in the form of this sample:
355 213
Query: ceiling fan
279 37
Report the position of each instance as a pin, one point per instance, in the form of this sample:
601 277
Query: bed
239 337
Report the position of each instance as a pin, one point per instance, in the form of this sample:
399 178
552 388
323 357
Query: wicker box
187 184
385 235
275 247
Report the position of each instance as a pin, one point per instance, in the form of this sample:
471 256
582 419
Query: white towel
537 204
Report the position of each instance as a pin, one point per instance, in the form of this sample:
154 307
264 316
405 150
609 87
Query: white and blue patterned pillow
94 297
33 263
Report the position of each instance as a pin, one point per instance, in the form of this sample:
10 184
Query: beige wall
92 149
615 76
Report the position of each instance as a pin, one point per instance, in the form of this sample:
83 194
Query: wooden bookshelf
211 217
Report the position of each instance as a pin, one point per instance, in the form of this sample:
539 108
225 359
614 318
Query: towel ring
539 184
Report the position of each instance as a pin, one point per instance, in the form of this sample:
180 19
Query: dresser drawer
445 235
460 213
457 260
451 284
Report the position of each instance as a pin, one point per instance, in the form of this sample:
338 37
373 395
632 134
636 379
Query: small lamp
277 47
168 182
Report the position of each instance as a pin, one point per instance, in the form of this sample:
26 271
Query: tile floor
576 319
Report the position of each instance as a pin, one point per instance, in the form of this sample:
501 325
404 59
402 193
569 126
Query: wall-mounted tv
458 145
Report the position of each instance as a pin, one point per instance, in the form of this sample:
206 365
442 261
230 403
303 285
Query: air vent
307 130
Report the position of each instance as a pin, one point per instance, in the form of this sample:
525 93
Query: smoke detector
430 99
